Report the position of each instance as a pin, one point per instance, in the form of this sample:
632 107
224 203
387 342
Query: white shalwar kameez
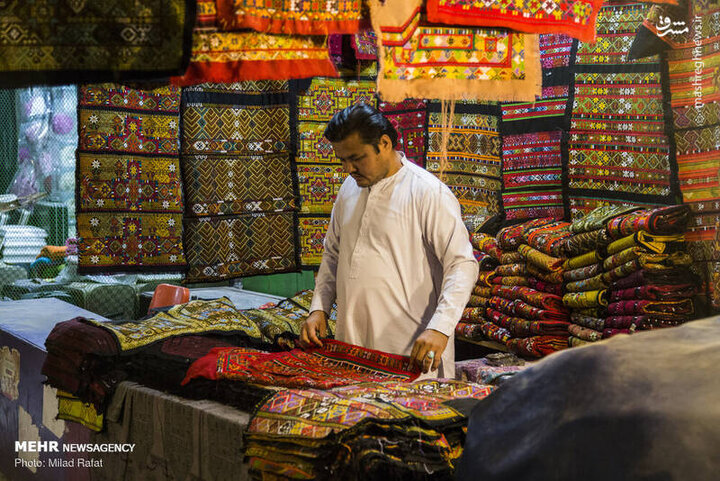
398 261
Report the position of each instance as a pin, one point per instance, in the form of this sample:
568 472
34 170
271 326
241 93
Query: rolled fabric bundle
486 278
592 284
638 307
581 261
586 299
654 293
537 346
599 217
584 333
620 258
540 259
531 296
487 244
509 238
680 275
621 271
519 327
586 241
577 342
549 239
473 314
511 258
519 308
478 301
511 281
661 262
664 220
495 332
612 332
469 331
644 322
653 243
543 286
482 291
486 261
595 323
582 273
511 270
551 277
623 322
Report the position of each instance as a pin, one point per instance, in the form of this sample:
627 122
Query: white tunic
398 261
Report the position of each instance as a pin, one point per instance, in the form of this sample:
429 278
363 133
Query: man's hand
314 328
429 340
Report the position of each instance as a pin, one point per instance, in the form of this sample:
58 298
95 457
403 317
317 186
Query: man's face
365 164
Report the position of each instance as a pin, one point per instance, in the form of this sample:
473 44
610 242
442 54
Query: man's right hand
314 329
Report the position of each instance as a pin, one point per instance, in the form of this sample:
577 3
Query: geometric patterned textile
474 154
236 160
206 317
576 19
59 42
226 247
225 57
284 16
694 66
409 118
129 208
619 152
312 230
335 364
532 158
320 175
387 430
418 60
555 51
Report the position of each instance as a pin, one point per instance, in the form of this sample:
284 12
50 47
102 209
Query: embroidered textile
586 241
542 300
365 44
577 342
519 327
227 57
476 301
665 27
665 221
512 236
194 317
510 281
627 255
642 322
129 210
409 118
418 60
486 243
584 333
483 372
71 408
240 245
576 18
312 229
654 293
543 286
335 364
638 307
541 260
290 17
597 324
586 299
474 150
519 308
654 277
584 260
59 42
549 239
511 258
320 174
590 284
597 218
582 273
511 270
544 275
555 50
537 346
652 243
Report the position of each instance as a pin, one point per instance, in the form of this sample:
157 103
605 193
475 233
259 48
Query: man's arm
315 326
448 238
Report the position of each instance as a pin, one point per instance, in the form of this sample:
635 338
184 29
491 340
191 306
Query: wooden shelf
488 344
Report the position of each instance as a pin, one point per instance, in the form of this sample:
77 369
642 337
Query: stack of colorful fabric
388 430
628 271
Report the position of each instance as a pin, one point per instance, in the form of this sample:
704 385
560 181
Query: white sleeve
449 240
325 282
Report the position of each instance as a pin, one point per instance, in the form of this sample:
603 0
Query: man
397 256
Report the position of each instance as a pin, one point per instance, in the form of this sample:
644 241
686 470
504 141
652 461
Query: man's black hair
367 121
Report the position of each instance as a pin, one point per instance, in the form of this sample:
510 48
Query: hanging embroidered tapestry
473 159
320 174
618 150
129 206
418 60
236 161
409 118
289 16
226 57
59 42
695 101
575 18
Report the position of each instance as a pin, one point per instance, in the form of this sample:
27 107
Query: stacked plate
21 243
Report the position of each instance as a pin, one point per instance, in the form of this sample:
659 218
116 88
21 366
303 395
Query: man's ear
385 144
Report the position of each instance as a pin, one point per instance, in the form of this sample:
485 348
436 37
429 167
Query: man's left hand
429 340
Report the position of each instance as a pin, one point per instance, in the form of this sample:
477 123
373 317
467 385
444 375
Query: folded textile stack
503 307
634 274
494 369
388 430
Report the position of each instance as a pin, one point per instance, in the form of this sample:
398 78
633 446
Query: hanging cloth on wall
450 63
